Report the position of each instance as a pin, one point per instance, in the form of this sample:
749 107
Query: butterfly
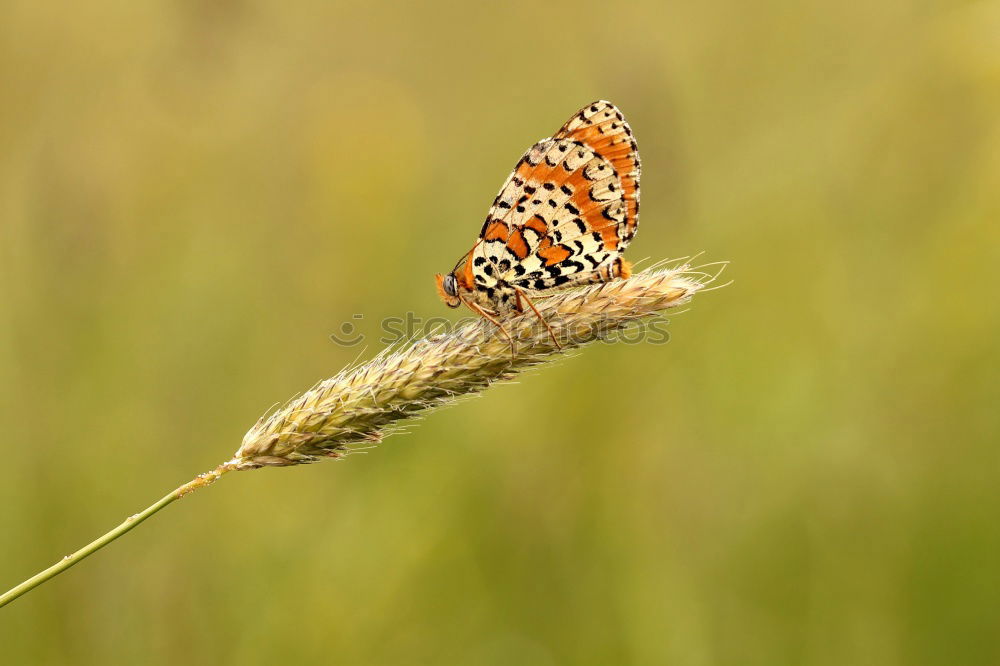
563 218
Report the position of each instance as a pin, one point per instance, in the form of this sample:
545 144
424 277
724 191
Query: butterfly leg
520 295
485 315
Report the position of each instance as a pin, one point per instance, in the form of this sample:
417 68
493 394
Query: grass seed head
362 404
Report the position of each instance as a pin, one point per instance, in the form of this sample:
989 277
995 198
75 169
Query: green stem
200 481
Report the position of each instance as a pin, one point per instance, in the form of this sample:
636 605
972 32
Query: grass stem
129 523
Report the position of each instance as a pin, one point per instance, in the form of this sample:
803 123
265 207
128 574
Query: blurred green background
193 196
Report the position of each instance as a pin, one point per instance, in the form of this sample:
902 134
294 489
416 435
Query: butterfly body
563 218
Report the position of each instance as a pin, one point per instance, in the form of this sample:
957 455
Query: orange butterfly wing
602 128
568 210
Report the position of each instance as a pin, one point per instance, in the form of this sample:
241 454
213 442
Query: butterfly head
448 289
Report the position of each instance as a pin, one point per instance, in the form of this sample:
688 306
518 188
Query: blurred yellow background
193 196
